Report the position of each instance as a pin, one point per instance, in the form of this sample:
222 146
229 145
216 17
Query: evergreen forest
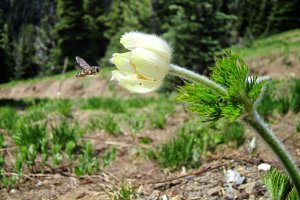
38 36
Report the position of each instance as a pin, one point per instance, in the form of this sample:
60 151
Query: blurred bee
86 69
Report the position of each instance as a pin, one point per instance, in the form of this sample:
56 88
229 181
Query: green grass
161 110
87 162
158 120
116 105
8 118
30 134
132 113
31 140
124 191
110 125
62 140
295 96
280 96
283 43
192 141
46 133
109 103
94 123
279 185
41 144
136 122
2 141
63 106
65 132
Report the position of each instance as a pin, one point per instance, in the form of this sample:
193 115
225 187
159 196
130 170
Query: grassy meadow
50 136
280 44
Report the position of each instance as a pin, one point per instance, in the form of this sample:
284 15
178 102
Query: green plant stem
252 118
196 78
268 136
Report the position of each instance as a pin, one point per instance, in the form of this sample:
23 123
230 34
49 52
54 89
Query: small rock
164 197
234 177
12 191
252 145
183 170
264 167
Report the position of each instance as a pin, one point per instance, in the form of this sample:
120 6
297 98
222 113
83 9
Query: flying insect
86 68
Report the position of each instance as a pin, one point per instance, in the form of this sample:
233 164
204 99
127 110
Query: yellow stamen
136 72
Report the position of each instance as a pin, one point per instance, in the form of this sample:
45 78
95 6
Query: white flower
144 67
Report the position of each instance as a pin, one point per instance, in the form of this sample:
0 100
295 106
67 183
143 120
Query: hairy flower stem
268 136
197 78
252 118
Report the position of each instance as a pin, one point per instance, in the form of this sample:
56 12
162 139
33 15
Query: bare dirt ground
152 182
65 88
276 66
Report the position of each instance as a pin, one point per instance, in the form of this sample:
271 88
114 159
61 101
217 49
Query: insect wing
82 63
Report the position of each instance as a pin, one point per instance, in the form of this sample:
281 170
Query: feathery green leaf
279 185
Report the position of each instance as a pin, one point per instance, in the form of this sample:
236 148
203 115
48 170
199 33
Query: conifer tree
284 15
69 32
264 17
24 52
97 43
44 41
123 16
195 29
252 15
22 12
6 61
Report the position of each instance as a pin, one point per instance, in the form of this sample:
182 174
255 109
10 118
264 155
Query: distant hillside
277 55
283 43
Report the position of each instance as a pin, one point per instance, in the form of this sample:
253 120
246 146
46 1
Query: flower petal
148 64
153 43
134 84
121 60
